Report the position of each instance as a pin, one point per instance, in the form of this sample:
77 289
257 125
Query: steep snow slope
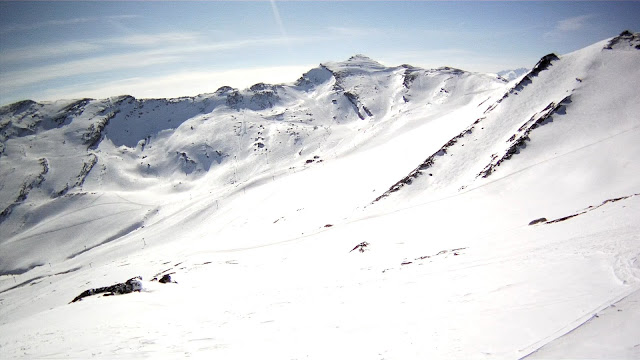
565 108
258 202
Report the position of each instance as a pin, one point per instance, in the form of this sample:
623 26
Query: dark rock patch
94 133
410 75
591 208
626 39
353 99
26 188
223 90
234 98
362 247
166 278
129 286
537 221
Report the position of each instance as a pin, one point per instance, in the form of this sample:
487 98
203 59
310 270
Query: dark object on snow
537 221
166 279
328 225
131 285
361 247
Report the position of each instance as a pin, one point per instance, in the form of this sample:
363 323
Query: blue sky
53 50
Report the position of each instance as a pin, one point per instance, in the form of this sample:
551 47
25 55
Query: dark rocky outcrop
224 90
260 87
18 119
129 286
353 99
410 75
93 135
362 247
625 40
590 208
17 107
263 99
234 98
26 189
165 279
537 221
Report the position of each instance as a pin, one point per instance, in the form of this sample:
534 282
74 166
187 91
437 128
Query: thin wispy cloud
180 84
10 28
132 59
16 79
95 46
353 31
278 20
155 39
24 27
568 25
574 23
49 51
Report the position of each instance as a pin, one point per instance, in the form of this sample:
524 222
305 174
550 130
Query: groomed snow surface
364 212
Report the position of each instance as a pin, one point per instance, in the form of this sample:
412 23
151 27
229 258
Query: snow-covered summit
356 63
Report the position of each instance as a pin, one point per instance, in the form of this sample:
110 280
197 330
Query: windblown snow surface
363 212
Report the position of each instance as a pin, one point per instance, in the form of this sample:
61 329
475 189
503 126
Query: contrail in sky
276 15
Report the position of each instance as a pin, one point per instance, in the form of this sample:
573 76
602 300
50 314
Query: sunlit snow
362 212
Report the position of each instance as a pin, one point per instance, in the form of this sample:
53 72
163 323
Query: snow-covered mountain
511 75
68 154
393 212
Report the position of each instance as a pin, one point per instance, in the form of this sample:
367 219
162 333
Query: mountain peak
625 40
360 57
355 63
363 61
